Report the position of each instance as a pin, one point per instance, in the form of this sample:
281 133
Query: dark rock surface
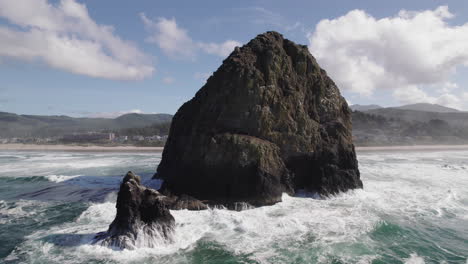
185 202
143 218
268 121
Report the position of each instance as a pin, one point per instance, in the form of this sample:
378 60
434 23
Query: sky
104 58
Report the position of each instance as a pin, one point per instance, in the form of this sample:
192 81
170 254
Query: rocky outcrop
268 121
184 202
143 218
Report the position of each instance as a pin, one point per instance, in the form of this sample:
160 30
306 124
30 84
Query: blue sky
107 57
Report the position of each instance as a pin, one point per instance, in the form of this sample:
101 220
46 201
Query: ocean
413 209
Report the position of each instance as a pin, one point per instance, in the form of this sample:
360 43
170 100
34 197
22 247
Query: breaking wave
413 209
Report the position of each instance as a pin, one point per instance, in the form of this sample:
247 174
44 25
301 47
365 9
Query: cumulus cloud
175 41
64 36
413 94
447 87
172 39
406 52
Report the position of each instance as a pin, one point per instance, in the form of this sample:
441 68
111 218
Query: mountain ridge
423 107
14 125
426 107
358 107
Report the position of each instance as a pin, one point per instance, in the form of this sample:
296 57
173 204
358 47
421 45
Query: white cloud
176 43
173 40
405 52
413 94
168 80
222 49
65 37
447 87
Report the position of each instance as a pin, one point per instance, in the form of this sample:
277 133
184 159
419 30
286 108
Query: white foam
60 163
394 185
11 211
414 259
60 178
100 214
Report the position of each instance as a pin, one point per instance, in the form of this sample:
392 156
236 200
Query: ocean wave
252 232
11 211
60 178
31 179
59 163
408 212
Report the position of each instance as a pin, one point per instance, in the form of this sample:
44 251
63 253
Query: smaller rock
189 203
143 218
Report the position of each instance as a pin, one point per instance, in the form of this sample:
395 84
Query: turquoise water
413 209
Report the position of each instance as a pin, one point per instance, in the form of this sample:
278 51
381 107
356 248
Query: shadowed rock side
268 121
143 218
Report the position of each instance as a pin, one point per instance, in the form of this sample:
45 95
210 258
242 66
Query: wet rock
268 121
143 218
185 202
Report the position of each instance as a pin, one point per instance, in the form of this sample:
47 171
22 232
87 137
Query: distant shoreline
34 147
95 148
412 148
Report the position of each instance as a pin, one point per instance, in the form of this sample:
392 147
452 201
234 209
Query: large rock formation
143 218
268 121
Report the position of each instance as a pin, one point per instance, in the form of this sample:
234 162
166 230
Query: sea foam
403 201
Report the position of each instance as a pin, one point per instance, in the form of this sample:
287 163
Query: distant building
88 137
121 139
153 138
138 138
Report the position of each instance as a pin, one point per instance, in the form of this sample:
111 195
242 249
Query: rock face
268 121
143 218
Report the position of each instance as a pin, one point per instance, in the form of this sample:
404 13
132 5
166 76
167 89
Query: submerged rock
143 218
268 121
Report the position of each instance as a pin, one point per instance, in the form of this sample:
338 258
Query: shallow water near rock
413 209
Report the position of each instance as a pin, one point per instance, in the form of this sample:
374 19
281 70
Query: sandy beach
34 147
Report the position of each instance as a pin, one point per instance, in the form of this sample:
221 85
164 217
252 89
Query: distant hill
421 112
459 119
13 125
409 124
425 108
376 126
391 126
141 120
357 107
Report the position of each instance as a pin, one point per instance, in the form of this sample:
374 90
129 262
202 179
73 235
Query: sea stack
143 218
268 121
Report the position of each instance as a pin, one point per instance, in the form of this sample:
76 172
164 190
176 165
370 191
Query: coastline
34 147
412 148
78 148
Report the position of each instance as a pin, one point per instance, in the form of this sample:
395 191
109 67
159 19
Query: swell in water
413 209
